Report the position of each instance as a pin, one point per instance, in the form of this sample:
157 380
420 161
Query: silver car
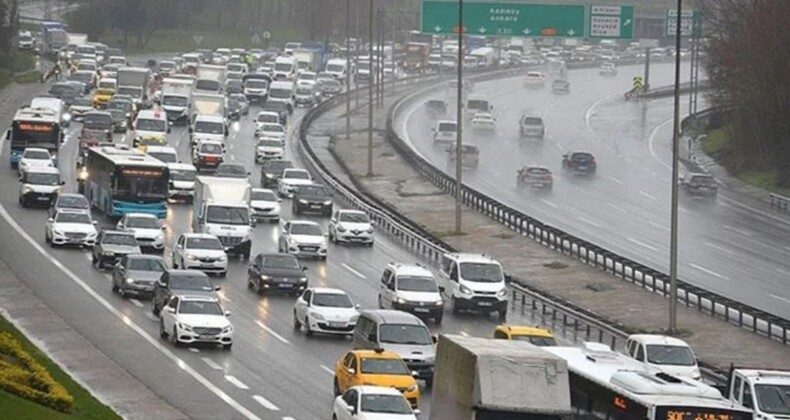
136 274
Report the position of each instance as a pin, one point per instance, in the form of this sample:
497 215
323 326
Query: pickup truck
766 391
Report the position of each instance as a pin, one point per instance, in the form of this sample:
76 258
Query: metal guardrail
584 324
742 315
779 202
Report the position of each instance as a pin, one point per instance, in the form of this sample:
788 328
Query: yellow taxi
102 97
376 368
535 335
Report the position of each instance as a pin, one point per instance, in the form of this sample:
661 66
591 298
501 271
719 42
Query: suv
474 282
291 179
208 154
312 198
111 246
411 288
581 163
272 171
38 186
532 126
699 185
176 282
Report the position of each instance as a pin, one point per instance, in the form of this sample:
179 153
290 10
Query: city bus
34 127
609 385
117 181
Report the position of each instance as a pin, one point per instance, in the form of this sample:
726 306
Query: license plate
423 310
285 285
485 303
42 198
310 249
206 337
337 324
315 206
538 184
207 265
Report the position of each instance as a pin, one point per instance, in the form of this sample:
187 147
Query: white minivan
474 282
411 288
669 354
282 91
445 132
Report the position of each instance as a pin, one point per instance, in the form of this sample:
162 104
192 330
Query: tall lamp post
348 69
459 119
370 89
673 246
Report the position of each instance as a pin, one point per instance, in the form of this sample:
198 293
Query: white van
337 67
411 288
285 68
282 91
474 282
669 354
445 132
150 125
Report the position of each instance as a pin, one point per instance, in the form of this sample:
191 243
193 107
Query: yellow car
143 143
376 368
535 335
102 97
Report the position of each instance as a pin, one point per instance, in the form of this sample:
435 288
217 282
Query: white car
306 78
39 186
182 181
302 238
326 311
291 179
265 205
200 251
35 157
535 79
607 69
71 227
668 354
146 228
166 154
272 131
352 226
372 403
195 319
483 121
265 117
268 148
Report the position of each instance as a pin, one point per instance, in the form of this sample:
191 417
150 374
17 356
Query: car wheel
154 309
223 274
256 287
249 281
381 305
114 287
227 346
174 337
297 324
94 260
175 264
336 389
308 332
332 237
162 332
502 315
122 292
438 319
456 309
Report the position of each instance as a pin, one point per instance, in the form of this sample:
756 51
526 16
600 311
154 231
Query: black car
181 282
276 273
312 198
232 170
99 121
111 246
281 108
272 170
65 91
120 123
699 185
581 163
234 86
136 275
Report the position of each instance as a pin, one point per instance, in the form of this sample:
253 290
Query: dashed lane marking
618 208
647 195
658 225
194 350
548 203
272 332
589 222
719 248
266 403
136 303
736 230
613 179
236 382
328 370
212 364
707 271
783 299
642 244
353 270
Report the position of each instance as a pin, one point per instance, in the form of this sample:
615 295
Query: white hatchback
292 178
265 205
351 226
483 121
325 310
34 157
669 354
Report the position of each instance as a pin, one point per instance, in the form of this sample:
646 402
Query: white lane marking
711 272
658 225
785 272
351 269
786 300
548 203
590 111
327 370
194 350
613 179
618 208
233 157
650 247
136 303
212 364
464 333
288 418
271 331
266 403
589 222
131 324
235 381
736 230
647 195
719 248
651 141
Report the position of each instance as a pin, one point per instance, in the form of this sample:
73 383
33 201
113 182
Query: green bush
29 77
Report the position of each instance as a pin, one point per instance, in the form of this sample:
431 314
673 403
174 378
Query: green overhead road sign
611 22
505 19
690 23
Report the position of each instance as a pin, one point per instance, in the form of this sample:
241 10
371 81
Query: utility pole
647 68
673 245
459 119
370 89
348 69
356 58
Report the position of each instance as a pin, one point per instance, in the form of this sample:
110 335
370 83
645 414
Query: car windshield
277 167
404 334
209 127
199 307
417 284
305 229
36 155
536 340
119 239
304 91
256 84
281 261
297 175
390 404
82 102
331 84
447 127
538 171
532 121
142 222
174 100
582 157
165 157
204 243
482 272
269 143
209 85
235 67
276 106
283 67
134 92
231 169
97 120
82 218
332 300
263 195
182 175
704 180
119 105
353 217
477 105
384 367
270 118
311 190
146 264
211 149
670 355
147 124
73 202
42 179
228 215
273 128
773 398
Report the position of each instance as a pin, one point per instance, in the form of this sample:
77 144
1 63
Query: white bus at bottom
609 385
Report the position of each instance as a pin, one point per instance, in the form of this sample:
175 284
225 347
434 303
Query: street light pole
673 246
459 119
348 69
370 89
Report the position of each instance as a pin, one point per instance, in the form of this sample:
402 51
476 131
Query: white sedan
268 148
352 226
483 121
265 205
292 178
35 157
302 238
535 80
272 131
71 227
200 251
372 403
325 310
195 319
146 228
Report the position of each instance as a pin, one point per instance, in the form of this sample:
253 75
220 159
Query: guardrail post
587 333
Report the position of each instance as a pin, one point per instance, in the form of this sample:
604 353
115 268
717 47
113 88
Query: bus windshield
140 184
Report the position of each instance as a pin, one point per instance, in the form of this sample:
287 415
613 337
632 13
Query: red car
535 177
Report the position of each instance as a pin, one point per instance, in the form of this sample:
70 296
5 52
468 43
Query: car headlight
270 176
302 201
695 374
327 202
184 326
129 280
341 229
353 319
223 258
191 257
502 293
265 277
107 253
302 279
412 388
369 230
465 290
228 329
58 232
317 316
93 234
27 190
439 302
66 117
400 300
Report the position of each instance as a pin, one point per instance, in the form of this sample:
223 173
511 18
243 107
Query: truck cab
282 91
150 125
222 209
767 392
207 127
473 282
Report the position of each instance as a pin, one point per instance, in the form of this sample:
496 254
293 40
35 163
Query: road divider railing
779 202
574 321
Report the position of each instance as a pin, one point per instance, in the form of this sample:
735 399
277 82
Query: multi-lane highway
734 246
273 371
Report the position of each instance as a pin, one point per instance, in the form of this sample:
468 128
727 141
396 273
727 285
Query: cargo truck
487 379
210 78
416 57
135 82
766 391
176 99
208 104
222 209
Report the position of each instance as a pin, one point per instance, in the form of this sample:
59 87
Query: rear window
700 179
532 121
582 157
538 171
477 105
447 127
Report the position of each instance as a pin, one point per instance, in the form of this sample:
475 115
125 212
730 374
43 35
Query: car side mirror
372 337
304 268
169 130
217 288
8 135
352 371
50 220
170 309
253 223
441 289
227 313
435 339
190 129
161 284
95 223
357 306
163 227
415 373
417 412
